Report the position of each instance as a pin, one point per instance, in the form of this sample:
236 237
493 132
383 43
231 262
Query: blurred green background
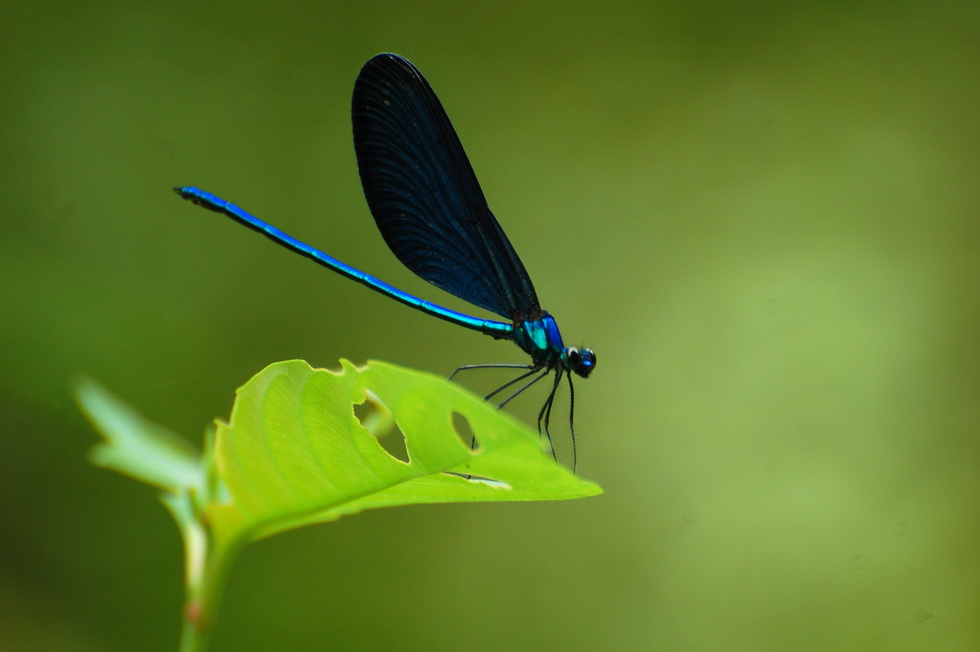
763 217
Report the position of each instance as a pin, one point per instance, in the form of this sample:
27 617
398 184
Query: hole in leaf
377 420
374 415
463 430
479 479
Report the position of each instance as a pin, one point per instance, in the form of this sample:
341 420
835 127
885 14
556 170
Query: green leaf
294 451
134 446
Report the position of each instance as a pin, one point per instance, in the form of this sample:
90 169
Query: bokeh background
763 217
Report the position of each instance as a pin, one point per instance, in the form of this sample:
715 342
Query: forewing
424 195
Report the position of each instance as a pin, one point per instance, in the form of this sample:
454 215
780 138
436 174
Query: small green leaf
134 446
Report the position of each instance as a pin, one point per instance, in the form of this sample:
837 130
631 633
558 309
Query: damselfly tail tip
200 198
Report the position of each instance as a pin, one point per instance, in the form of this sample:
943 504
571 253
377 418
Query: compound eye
581 361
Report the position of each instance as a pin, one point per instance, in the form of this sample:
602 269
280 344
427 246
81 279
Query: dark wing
424 196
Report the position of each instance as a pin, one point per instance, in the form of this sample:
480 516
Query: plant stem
206 580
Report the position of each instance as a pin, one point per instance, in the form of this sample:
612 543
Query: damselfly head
580 361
